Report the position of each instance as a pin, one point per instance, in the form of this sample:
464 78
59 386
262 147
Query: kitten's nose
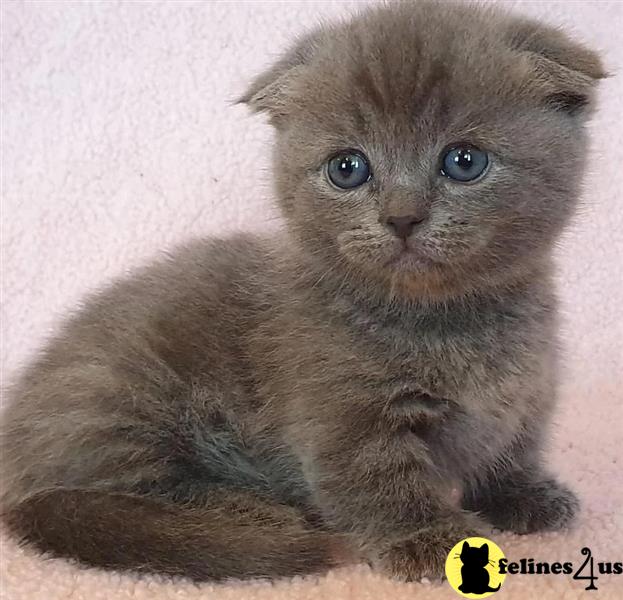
403 226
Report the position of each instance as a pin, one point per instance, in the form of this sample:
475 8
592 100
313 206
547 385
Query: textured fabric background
119 139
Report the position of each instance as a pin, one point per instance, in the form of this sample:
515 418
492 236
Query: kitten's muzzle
403 226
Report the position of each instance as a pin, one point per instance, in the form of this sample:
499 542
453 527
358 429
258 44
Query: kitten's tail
234 536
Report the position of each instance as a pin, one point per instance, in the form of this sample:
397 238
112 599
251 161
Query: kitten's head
436 147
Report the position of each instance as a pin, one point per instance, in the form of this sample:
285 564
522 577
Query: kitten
257 407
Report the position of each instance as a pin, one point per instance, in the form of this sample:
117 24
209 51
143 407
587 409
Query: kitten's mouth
410 259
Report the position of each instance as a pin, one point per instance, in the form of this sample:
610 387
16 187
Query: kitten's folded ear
564 71
269 91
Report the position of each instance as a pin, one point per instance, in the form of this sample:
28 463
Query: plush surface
119 139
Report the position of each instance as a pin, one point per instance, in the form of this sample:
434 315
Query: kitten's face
420 144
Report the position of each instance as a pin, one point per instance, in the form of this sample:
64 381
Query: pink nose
402 227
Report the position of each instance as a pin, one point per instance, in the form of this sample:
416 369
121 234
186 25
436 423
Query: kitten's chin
386 255
410 261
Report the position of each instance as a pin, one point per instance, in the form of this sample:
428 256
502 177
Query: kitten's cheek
366 248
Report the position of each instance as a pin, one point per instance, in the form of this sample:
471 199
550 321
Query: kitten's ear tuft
568 102
566 71
269 91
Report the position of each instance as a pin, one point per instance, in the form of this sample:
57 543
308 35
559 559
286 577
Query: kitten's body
244 406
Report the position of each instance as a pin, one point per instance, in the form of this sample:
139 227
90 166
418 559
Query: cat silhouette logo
472 568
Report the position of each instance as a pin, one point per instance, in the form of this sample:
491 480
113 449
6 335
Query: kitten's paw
424 553
537 506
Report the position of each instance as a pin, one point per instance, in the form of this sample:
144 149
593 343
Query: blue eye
348 169
464 163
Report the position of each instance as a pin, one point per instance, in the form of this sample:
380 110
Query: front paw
424 553
536 506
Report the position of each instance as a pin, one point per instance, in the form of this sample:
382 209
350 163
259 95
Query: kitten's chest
464 386
456 360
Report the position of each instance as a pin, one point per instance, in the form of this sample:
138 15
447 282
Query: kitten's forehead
410 68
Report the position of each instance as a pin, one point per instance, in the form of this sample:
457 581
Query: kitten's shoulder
239 250
199 265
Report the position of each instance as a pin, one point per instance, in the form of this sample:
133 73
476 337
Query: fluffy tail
232 536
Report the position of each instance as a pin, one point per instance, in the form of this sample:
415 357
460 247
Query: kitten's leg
379 484
521 497
148 479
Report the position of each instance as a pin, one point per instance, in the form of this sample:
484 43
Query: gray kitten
373 385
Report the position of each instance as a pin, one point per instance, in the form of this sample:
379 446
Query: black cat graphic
475 578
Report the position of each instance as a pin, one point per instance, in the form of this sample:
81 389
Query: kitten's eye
348 169
464 163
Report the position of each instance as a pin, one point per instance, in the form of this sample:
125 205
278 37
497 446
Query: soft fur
258 408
